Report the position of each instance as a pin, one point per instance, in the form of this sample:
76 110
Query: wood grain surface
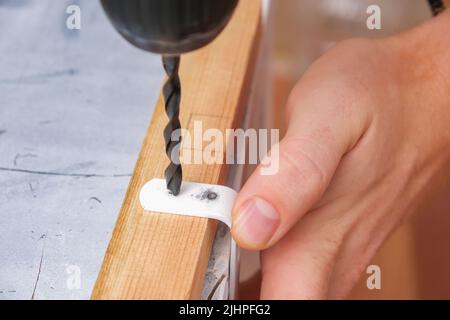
158 256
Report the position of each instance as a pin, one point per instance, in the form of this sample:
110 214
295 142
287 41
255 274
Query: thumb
268 206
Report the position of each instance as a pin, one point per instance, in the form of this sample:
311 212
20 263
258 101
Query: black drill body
170 28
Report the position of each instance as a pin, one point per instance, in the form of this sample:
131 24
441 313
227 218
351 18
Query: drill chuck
169 27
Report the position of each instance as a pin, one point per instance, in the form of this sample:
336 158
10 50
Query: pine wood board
158 256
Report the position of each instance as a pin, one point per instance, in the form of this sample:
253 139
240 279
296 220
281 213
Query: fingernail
256 222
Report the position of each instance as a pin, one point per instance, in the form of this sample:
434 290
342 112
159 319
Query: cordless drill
170 28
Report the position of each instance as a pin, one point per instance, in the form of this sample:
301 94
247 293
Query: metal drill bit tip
172 97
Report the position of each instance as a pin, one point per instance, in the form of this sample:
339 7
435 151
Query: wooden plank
157 256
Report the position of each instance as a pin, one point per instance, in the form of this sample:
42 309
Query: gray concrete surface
74 107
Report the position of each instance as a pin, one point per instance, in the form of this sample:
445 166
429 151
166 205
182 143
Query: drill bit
172 97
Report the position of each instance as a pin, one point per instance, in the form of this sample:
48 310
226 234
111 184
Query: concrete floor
74 107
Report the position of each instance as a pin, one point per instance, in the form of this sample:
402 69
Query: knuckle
304 158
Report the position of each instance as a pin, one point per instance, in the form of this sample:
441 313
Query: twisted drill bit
172 97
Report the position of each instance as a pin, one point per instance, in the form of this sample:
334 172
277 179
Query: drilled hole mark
207 195
212 196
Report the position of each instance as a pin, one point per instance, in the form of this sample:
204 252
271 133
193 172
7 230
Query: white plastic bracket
195 200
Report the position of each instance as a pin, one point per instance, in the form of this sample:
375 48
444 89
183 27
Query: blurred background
415 261
305 29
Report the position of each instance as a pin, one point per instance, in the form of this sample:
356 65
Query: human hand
368 141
